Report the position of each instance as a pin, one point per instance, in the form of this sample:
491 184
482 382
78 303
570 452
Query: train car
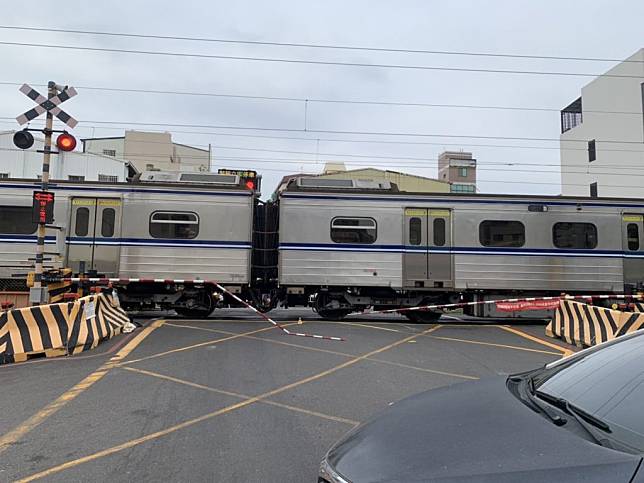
162 226
345 245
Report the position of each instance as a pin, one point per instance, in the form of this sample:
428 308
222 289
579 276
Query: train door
94 233
427 259
633 246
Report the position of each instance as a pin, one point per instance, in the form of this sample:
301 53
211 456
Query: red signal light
66 142
250 184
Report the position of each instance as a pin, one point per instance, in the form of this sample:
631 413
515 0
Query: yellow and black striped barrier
59 329
586 325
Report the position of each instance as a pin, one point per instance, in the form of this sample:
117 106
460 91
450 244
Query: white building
149 151
602 135
74 165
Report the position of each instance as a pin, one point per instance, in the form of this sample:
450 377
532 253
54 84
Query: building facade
73 165
459 169
602 135
150 151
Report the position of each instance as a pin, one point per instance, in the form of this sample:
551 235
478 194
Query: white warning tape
485 302
125 281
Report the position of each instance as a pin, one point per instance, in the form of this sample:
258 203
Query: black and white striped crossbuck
45 105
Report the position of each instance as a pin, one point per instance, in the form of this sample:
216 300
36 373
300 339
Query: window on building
4 175
82 222
463 188
592 152
462 172
73 177
501 233
107 222
108 178
439 232
593 190
174 224
109 152
633 236
353 230
574 235
16 220
415 231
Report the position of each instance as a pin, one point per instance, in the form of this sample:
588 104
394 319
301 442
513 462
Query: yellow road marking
328 351
492 344
205 417
201 344
17 433
566 352
243 396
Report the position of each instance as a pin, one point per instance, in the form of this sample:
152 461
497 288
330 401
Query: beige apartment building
459 169
150 151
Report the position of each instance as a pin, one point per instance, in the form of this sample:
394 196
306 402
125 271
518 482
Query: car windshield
608 384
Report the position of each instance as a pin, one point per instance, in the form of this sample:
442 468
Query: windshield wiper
586 421
555 418
573 410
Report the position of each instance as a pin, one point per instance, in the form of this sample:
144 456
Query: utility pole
43 201
38 295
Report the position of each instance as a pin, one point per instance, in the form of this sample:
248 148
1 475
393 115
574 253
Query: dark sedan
577 419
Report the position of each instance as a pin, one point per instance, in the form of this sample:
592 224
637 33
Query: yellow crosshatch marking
438 212
109 202
634 218
191 422
13 436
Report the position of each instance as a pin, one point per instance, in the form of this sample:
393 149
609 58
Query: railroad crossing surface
231 398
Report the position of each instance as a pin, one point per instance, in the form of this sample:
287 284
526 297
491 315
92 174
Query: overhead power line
357 133
314 62
326 101
313 46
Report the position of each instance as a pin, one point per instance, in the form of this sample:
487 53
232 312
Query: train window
574 235
415 233
501 233
173 224
353 230
16 220
439 232
107 222
82 222
633 236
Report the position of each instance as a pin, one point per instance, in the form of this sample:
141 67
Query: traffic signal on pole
66 142
23 139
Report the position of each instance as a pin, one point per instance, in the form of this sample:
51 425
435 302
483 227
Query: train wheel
193 313
333 314
422 316
197 308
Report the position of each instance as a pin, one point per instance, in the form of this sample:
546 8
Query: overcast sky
592 28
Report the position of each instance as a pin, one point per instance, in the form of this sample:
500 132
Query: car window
609 384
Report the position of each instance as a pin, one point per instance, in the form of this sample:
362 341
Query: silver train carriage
148 230
345 245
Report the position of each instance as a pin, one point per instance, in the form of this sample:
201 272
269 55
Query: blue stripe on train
462 250
132 242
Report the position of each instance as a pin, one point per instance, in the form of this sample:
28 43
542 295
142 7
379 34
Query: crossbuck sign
45 105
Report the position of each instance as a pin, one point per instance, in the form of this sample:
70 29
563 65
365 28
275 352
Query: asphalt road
232 398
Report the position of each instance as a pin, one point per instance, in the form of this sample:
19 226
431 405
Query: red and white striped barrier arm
125 281
485 302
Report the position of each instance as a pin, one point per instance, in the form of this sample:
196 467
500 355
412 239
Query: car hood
472 431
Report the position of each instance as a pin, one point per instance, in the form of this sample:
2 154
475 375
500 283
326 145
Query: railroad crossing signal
45 105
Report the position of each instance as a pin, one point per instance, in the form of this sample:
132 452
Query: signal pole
38 293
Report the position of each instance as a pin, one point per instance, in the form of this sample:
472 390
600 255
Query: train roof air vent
178 177
343 183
